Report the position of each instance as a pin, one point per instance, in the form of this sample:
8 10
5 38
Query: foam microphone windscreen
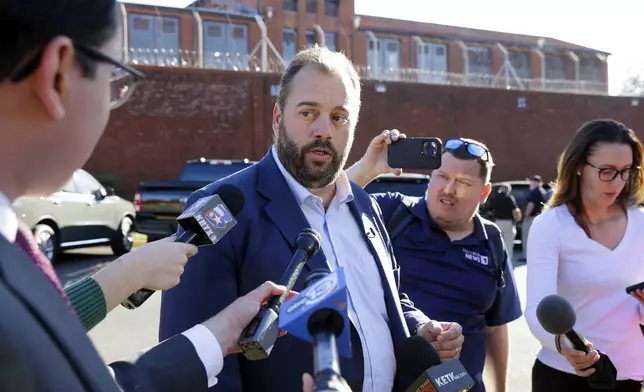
413 356
232 197
556 315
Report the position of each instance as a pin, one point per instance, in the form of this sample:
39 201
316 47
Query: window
555 67
69 186
383 57
432 62
331 8
312 6
521 63
310 38
85 182
225 45
330 41
590 69
289 42
289 5
154 39
480 60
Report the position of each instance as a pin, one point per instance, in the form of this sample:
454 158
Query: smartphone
421 153
631 289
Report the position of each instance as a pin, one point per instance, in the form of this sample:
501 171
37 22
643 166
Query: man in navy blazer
298 184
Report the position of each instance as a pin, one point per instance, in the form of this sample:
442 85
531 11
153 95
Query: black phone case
639 286
412 153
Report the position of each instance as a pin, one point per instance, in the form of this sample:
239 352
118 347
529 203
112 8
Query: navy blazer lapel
31 285
364 214
282 207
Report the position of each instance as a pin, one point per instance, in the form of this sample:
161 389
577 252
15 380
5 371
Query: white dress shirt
563 260
206 345
343 245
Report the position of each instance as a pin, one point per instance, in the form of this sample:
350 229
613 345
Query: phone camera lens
430 149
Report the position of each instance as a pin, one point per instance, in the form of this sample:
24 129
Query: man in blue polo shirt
454 265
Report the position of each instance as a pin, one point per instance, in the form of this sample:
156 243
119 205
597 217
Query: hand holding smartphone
420 153
631 289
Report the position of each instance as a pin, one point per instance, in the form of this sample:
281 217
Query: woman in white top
588 247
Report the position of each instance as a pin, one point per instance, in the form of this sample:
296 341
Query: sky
611 26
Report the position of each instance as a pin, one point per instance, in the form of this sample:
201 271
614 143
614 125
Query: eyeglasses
475 150
123 80
608 174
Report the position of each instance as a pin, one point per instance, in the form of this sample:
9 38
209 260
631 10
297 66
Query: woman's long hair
568 185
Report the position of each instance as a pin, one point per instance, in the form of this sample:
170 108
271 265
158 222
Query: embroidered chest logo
475 256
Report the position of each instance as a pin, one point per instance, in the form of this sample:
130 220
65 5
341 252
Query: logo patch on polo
475 256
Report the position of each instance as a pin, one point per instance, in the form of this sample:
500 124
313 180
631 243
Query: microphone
319 315
205 222
258 338
557 316
416 356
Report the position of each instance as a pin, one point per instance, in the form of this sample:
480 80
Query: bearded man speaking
300 184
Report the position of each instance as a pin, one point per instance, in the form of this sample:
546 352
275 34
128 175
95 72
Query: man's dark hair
27 26
327 61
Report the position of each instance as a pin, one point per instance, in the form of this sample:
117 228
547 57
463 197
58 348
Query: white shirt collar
8 219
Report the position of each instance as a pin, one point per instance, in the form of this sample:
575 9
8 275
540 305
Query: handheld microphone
416 356
205 222
258 338
319 315
557 316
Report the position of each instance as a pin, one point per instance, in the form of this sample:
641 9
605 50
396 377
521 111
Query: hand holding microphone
260 335
308 384
558 317
227 325
205 222
158 265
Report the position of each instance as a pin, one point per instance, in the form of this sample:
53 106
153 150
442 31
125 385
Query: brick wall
181 114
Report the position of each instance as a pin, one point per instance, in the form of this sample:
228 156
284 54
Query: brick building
263 35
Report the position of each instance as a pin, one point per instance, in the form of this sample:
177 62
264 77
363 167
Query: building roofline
190 8
555 45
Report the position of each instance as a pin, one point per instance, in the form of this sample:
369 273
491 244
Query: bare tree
633 86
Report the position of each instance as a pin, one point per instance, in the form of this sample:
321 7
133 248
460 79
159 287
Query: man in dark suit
298 184
58 59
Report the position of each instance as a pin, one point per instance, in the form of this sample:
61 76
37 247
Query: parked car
82 214
158 204
410 184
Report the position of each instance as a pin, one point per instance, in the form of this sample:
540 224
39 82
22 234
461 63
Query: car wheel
47 241
123 238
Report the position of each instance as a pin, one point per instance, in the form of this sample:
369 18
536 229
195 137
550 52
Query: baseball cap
536 177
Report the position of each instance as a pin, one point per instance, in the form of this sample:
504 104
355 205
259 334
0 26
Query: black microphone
558 317
258 339
416 356
205 222
325 325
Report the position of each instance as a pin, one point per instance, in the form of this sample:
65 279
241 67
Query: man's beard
294 160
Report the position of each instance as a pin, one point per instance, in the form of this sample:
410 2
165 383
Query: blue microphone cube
330 292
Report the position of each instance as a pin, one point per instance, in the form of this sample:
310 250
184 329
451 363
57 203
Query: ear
277 117
52 77
485 193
